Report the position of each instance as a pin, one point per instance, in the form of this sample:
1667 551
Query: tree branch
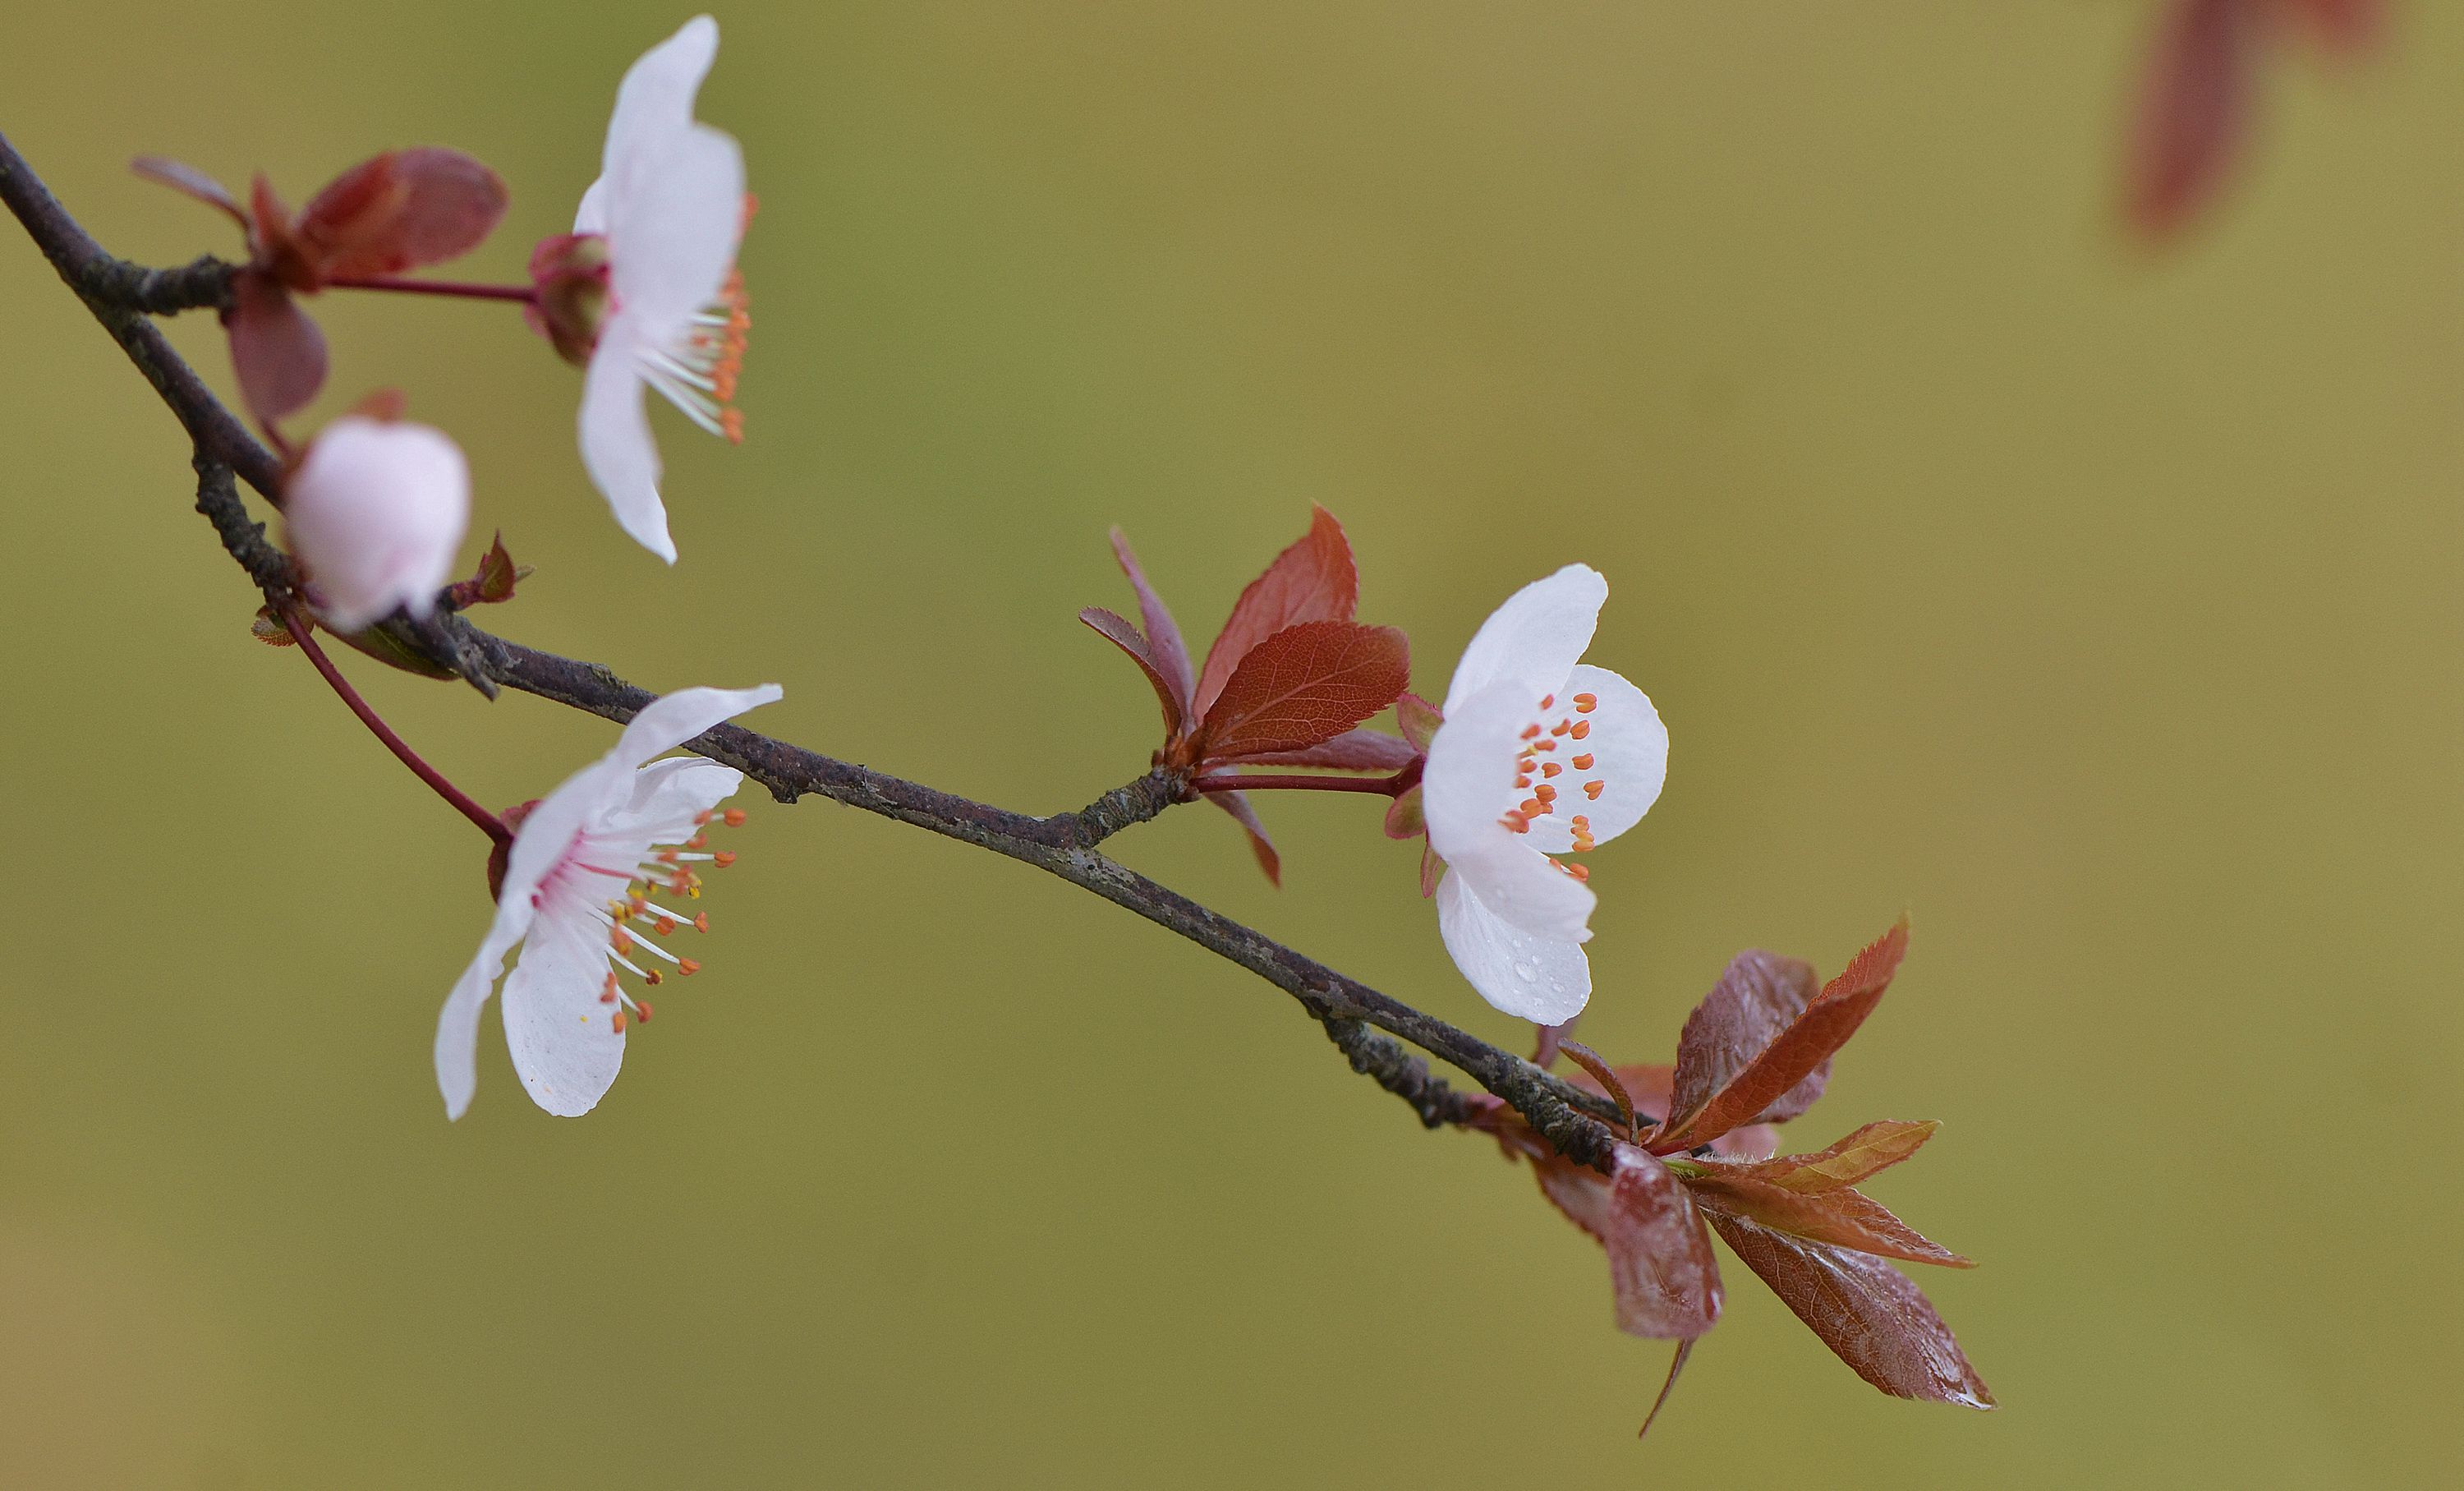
119 294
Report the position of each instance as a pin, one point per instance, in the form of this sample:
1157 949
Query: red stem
489 823
453 287
1383 786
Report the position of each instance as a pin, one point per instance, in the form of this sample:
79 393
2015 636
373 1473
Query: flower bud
375 512
570 273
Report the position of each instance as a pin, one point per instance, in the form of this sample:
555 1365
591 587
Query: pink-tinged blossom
376 511
643 291
586 890
1539 755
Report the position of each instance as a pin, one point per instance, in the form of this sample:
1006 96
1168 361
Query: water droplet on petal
1526 972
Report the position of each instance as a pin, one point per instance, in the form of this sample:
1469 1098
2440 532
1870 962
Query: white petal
564 1040
591 215
1629 751
1468 783
1535 978
1536 639
655 100
674 216
670 720
376 511
457 1026
666 797
616 445
1528 888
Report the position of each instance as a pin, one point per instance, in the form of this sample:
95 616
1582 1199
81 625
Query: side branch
120 294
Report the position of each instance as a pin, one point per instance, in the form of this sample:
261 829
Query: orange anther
622 940
723 859
734 818
642 1007
1530 730
1561 727
701 922
687 965
1585 703
1582 729
1532 807
608 991
1580 872
1543 745
1592 790
700 818
699 841
1582 763
666 856
1550 768
731 423
616 1022
654 978
1545 793
1548 700
664 925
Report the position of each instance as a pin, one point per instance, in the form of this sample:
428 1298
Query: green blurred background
2100 608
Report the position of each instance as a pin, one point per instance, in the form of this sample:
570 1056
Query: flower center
1551 761
634 923
698 373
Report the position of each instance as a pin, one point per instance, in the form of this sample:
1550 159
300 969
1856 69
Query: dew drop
1526 972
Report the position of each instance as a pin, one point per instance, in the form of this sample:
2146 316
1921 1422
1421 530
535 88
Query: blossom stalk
489 823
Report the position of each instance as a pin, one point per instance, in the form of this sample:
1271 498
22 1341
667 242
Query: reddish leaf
1353 750
1304 686
1418 720
1758 995
189 180
400 211
1404 818
1171 654
1869 1151
1117 630
2349 27
1667 1385
1603 1076
1661 1267
1237 804
1846 1217
1784 1077
277 350
493 581
1865 1311
1313 580
275 249
2192 111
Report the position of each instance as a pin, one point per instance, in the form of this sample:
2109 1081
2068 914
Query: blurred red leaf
1604 1077
1845 1218
2194 110
1167 653
1353 750
1118 630
2341 25
1304 686
1868 1152
400 211
189 180
1314 580
277 350
1783 1070
1867 1312
1661 1267
1237 804
493 582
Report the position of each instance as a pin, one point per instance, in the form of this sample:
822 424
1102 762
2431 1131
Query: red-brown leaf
189 180
277 350
1869 1151
2345 27
1171 654
1845 1218
1117 630
1314 580
1661 1265
1782 1077
1353 750
1865 1311
2192 111
1302 686
400 211
1237 804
